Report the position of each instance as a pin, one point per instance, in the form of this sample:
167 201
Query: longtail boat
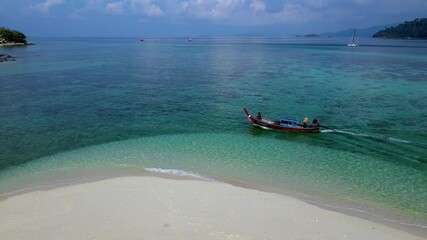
283 124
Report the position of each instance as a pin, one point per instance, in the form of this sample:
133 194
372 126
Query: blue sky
167 18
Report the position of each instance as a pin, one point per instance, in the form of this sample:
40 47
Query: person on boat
258 115
305 121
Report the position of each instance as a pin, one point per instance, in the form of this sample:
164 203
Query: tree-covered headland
12 36
416 29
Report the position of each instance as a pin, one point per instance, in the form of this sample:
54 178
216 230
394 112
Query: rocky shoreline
6 57
15 44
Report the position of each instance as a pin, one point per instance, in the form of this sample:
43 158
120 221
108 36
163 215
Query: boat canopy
287 120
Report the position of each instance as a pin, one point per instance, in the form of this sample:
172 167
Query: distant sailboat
352 43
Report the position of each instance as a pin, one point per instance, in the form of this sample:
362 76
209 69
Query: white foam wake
398 140
354 134
178 172
391 139
265 128
327 131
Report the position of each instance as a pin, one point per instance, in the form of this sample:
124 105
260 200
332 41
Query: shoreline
16 44
167 208
84 177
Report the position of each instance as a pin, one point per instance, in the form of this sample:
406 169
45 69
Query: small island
416 29
10 38
309 35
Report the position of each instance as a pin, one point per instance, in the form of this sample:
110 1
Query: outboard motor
315 122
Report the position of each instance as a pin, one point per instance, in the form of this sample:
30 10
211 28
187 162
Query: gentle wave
39 187
354 209
178 172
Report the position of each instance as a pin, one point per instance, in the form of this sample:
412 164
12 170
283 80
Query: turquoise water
70 104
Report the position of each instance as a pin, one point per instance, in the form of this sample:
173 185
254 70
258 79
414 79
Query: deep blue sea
169 104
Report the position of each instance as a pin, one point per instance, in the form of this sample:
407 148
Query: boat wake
345 132
390 139
327 131
178 172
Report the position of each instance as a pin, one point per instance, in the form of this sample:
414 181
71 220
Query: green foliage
416 29
12 35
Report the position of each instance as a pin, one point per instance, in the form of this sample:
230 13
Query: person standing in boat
259 115
305 121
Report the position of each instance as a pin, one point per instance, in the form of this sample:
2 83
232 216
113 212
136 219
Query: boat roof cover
289 119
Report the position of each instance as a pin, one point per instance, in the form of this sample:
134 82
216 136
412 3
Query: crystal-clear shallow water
163 88
62 95
347 179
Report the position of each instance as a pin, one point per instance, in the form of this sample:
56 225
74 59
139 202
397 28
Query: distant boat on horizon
352 43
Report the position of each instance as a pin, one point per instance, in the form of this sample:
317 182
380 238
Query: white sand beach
147 207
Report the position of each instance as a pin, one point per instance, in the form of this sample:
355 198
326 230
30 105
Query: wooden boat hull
275 125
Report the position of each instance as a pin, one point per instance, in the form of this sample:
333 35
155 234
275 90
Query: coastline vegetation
416 29
309 35
12 37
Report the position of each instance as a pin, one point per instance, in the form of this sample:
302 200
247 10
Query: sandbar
150 207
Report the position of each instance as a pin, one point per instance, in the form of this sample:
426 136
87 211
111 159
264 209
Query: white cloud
252 12
211 9
294 13
257 6
120 7
183 6
89 6
263 12
238 12
45 6
116 8
147 7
